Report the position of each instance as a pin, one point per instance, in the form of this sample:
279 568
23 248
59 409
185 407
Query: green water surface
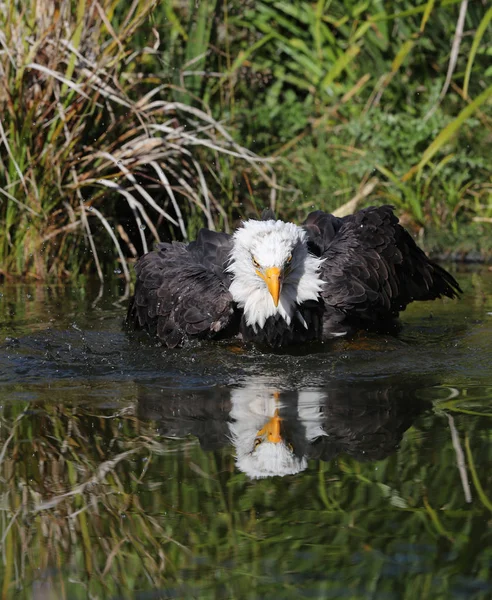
121 473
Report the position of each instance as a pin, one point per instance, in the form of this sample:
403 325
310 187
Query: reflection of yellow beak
272 429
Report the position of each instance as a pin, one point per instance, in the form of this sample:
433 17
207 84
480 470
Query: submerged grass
94 503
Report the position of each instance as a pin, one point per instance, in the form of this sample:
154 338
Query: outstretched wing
182 290
372 267
321 228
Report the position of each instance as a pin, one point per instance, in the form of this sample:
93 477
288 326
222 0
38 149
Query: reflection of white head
261 451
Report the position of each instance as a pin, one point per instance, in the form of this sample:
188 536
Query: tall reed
94 147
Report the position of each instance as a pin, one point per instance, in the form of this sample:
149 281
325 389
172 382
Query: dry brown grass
92 147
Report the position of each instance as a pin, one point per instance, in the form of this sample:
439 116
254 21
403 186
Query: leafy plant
92 147
122 125
353 89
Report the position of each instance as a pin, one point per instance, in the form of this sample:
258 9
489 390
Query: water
127 471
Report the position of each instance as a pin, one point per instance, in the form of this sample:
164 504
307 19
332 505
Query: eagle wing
372 267
182 290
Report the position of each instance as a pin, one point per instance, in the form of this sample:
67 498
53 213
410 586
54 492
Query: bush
94 149
122 125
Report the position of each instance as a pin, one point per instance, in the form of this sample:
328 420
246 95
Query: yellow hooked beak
271 430
273 279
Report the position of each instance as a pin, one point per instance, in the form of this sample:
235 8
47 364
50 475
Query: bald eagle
277 283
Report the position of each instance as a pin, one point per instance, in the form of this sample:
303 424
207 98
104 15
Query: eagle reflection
276 432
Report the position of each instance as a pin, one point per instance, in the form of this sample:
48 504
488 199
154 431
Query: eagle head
272 270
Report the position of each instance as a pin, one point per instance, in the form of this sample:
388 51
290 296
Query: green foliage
331 164
141 114
367 79
95 151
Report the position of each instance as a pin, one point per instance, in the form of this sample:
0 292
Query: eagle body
277 283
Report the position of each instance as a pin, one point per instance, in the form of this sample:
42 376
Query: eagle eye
255 262
257 442
289 259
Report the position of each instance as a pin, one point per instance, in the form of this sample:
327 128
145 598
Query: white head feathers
259 246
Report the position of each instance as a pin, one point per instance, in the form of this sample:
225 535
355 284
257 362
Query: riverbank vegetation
124 124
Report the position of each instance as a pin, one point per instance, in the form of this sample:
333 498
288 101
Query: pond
130 471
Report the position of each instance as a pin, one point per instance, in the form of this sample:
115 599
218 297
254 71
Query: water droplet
143 226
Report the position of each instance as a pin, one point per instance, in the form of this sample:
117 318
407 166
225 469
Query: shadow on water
354 470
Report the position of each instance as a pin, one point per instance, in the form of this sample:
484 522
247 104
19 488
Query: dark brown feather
373 268
182 290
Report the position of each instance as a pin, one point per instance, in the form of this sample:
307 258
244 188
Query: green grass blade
318 21
474 47
427 13
340 65
244 55
175 22
402 54
447 133
476 481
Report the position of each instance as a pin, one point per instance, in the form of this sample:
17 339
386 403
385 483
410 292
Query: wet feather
335 275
